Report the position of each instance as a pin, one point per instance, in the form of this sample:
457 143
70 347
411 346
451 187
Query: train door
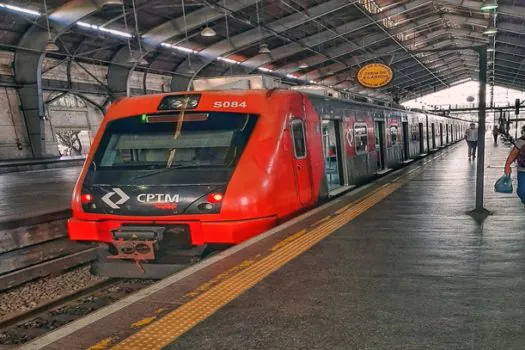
379 131
441 134
421 138
301 163
331 131
433 131
406 141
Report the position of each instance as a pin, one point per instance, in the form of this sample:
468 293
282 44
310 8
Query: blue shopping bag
504 184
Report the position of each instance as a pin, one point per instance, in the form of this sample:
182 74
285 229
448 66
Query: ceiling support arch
28 70
254 35
120 69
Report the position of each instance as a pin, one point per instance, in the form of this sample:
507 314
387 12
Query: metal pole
516 131
480 173
479 213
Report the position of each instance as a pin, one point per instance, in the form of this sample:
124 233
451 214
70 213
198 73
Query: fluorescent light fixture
86 25
262 69
180 48
105 30
228 60
490 49
20 9
303 65
115 32
312 82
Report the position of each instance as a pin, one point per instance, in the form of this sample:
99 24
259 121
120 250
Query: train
170 175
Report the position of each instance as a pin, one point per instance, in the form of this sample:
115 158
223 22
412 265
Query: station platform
396 264
35 195
18 165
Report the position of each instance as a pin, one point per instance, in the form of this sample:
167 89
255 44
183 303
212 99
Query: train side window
299 143
361 138
393 134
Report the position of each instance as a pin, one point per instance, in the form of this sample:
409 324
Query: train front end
158 179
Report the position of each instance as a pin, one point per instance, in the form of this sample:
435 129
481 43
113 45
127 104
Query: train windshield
189 140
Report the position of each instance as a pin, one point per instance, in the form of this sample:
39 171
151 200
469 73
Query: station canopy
302 41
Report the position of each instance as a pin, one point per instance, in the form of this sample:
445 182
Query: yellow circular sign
374 75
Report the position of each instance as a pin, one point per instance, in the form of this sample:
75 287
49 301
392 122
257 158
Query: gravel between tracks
44 290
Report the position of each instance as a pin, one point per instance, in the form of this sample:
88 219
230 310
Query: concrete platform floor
34 193
412 272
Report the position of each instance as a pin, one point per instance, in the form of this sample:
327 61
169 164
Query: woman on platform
518 153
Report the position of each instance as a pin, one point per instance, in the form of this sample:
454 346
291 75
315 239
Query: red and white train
179 171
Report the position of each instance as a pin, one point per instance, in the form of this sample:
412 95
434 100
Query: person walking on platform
495 133
471 135
518 153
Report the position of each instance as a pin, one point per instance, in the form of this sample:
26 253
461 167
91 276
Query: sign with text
374 75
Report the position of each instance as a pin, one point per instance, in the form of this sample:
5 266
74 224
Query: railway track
23 327
36 247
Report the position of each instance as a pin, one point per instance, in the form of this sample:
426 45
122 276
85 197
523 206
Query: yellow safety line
179 321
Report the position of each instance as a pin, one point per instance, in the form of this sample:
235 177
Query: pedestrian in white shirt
471 135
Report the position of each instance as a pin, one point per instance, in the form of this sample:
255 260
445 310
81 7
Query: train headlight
205 206
176 102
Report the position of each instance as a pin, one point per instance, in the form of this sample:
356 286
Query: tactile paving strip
173 325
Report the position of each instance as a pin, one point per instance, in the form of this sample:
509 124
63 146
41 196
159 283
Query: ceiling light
263 69
490 30
489 5
303 65
264 50
228 60
208 32
20 9
491 49
109 3
105 30
51 46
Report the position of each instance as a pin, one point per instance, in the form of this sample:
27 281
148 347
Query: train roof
150 103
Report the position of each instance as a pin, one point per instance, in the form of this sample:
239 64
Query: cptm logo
115 205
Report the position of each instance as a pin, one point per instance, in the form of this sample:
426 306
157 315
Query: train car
171 174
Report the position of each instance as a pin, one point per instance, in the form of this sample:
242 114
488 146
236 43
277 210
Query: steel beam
193 20
368 41
291 49
511 11
328 35
336 67
28 69
209 54
511 40
120 69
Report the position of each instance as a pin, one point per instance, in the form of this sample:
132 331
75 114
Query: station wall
67 114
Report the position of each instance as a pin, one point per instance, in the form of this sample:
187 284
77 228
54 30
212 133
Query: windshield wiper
164 170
